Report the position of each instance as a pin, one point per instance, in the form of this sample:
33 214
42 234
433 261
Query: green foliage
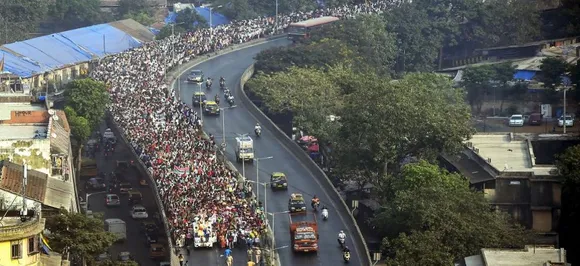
322 53
20 18
71 14
250 9
432 217
143 17
133 7
88 98
80 127
190 20
568 166
167 30
78 235
385 121
496 80
22 144
552 69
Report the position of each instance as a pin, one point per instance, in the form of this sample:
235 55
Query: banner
181 170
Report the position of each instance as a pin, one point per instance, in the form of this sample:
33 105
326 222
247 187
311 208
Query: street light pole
276 20
200 105
258 173
565 117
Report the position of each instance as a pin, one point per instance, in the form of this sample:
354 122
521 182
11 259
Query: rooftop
530 256
502 152
7 109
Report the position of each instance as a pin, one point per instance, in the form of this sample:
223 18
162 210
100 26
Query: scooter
341 242
315 206
324 214
222 84
346 256
231 101
258 132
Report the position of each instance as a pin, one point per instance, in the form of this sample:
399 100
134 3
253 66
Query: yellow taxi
211 108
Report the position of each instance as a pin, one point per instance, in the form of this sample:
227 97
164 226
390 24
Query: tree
190 19
77 235
80 132
133 6
167 30
72 14
20 18
306 92
88 98
431 217
552 69
477 82
384 122
143 17
568 165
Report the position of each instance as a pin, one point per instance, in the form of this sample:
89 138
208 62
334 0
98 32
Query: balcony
12 228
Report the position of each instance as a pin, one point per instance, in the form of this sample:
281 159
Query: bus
301 30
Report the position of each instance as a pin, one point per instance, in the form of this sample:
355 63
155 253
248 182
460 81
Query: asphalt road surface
136 242
239 121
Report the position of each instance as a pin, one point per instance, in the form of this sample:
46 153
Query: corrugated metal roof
59 193
11 181
59 135
134 29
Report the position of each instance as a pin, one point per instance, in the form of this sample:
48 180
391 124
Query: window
16 250
33 244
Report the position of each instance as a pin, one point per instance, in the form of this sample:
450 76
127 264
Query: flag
2 64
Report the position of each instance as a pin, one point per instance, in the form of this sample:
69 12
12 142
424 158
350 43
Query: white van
117 227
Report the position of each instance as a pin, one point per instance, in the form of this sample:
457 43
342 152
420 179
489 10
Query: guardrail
303 157
170 78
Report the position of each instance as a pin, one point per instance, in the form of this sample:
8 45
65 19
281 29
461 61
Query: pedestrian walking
180 259
258 255
230 261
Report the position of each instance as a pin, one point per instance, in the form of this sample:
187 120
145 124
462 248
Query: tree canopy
432 217
88 98
80 127
78 235
69 14
19 18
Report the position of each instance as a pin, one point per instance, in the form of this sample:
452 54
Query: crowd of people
166 133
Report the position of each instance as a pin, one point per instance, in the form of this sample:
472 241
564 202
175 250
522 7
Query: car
195 76
569 121
296 203
125 187
124 256
535 119
135 197
516 121
149 226
152 238
157 252
139 212
95 183
112 200
278 180
211 108
199 98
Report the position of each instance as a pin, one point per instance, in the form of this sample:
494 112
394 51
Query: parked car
139 212
112 200
516 121
569 121
535 119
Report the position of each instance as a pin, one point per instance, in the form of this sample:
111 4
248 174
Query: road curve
238 121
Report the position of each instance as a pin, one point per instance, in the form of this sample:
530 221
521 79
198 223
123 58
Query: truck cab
303 233
244 149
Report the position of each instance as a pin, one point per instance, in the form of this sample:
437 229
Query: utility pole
276 21
104 45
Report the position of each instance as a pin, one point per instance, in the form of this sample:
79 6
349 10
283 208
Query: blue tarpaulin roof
524 75
37 55
216 18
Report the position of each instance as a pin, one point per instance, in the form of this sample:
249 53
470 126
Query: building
529 256
40 137
517 174
20 240
47 63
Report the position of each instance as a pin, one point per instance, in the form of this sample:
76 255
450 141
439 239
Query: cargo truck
244 149
303 232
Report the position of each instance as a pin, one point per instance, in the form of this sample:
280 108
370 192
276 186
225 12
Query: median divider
170 78
306 160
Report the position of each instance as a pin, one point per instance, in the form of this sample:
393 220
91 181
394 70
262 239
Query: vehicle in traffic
152 238
118 227
143 181
157 252
516 121
211 108
303 233
139 212
124 256
278 180
569 121
95 183
135 197
535 119
244 149
122 167
203 235
296 203
125 187
195 76
198 98
103 257
302 30
109 136
89 168
112 200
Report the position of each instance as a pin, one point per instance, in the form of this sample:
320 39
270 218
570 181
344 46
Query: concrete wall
11 201
24 149
27 117
59 77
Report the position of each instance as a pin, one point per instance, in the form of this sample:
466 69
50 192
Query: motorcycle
258 132
341 242
231 101
217 100
324 214
208 85
346 256
222 84
315 206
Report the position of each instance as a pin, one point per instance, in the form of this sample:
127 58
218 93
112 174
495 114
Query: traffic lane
239 121
136 241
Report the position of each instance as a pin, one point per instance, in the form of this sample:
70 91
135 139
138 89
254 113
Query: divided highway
239 121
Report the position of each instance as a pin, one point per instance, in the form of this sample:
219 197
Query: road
493 124
238 121
136 242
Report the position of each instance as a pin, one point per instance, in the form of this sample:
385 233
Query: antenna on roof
24 210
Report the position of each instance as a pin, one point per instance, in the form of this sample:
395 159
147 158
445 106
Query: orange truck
303 232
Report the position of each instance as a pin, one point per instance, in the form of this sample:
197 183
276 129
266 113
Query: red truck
304 233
